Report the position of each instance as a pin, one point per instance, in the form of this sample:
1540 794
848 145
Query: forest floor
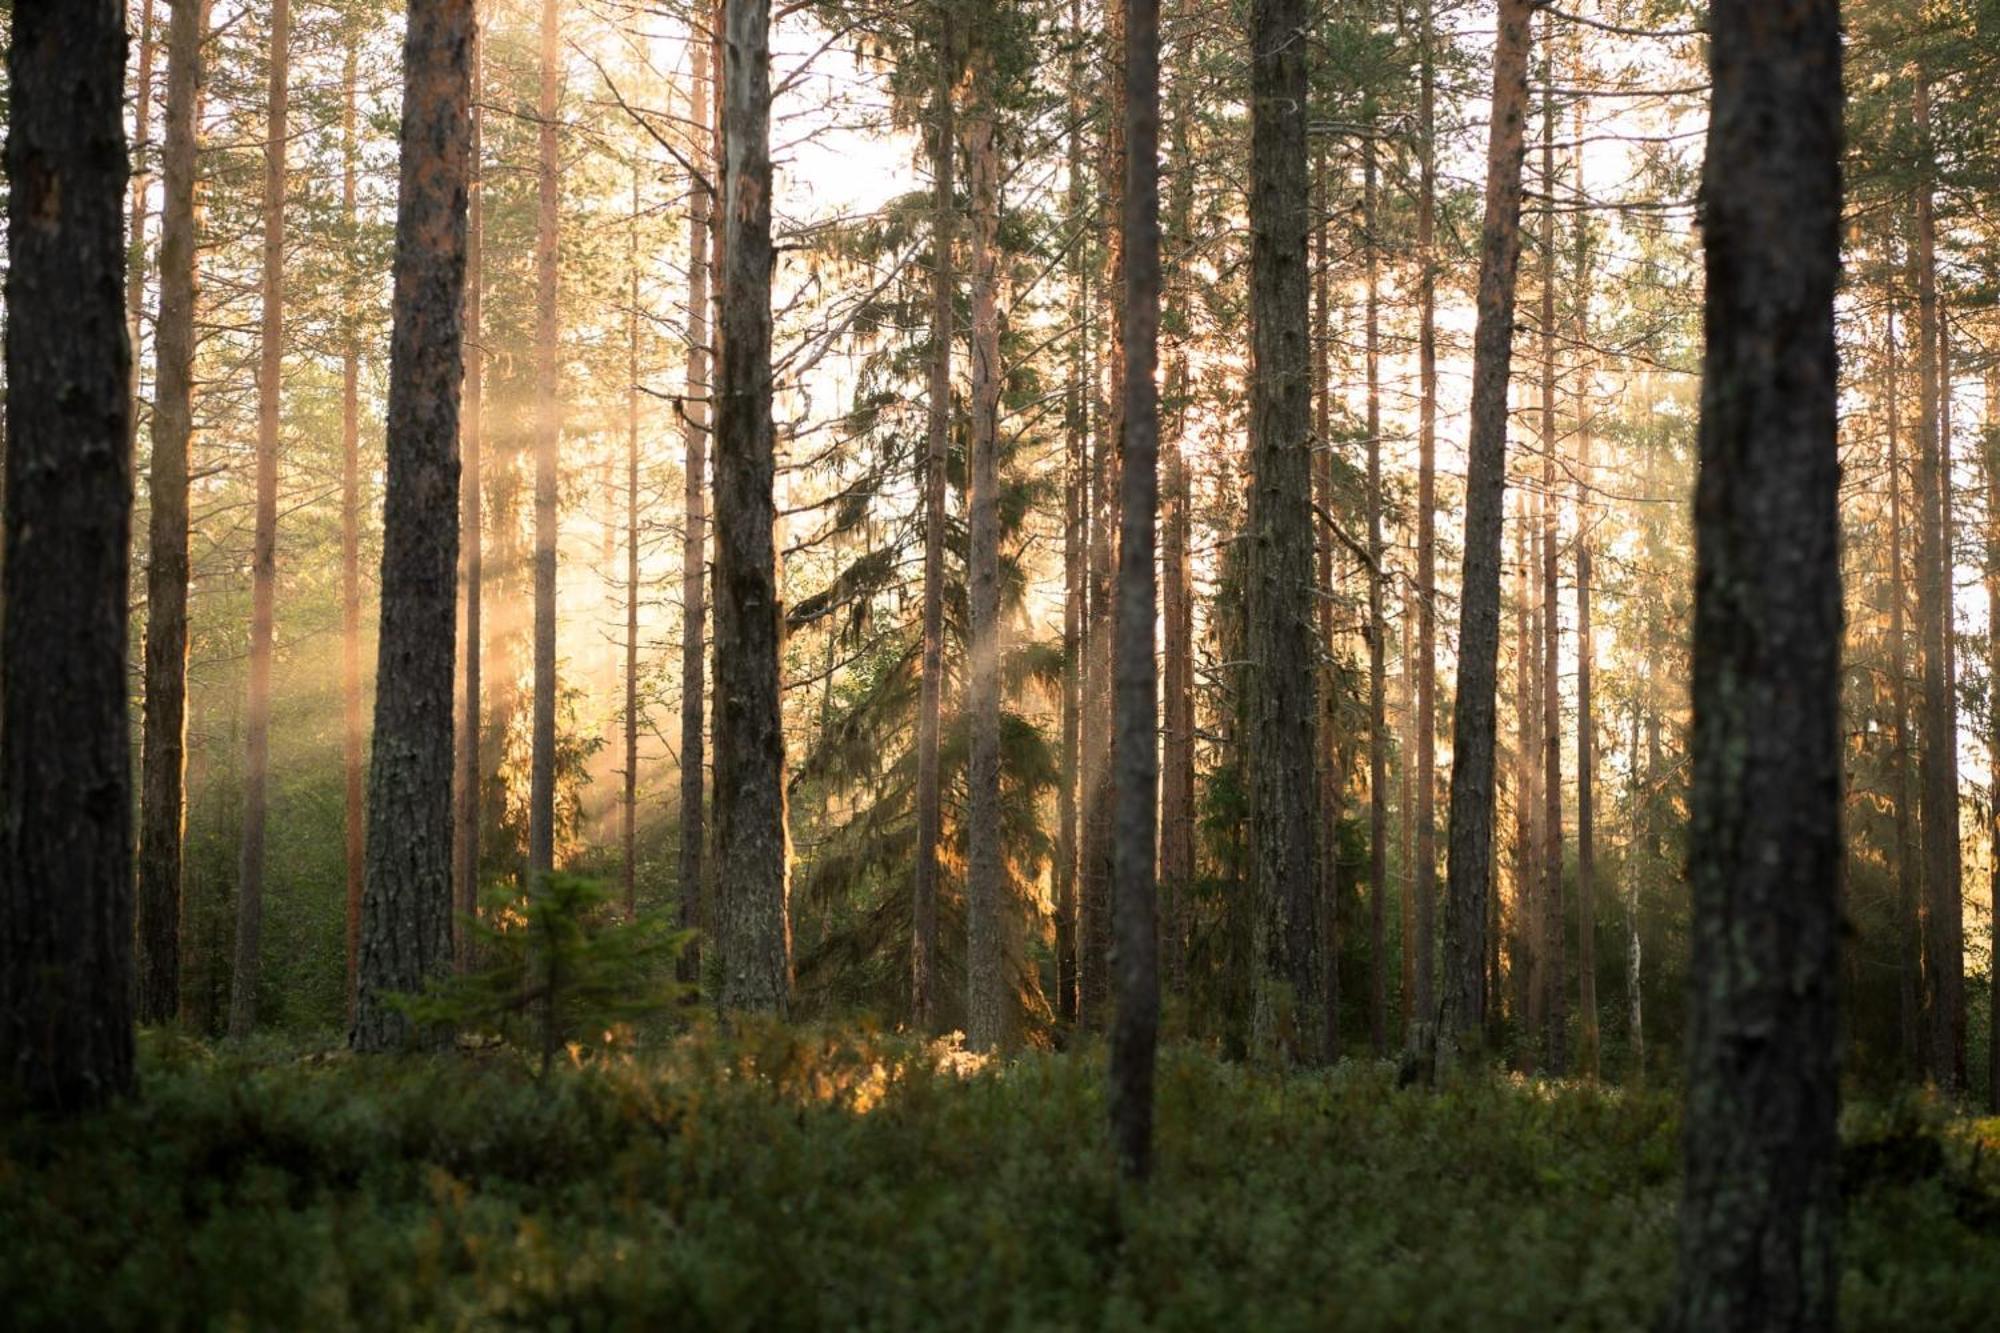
786 1179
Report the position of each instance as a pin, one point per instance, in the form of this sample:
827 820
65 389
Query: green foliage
784 1178
563 969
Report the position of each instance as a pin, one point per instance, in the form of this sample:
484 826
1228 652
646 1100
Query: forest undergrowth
779 1178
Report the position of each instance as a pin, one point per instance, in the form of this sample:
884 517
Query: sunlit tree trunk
245 977
1992 460
1378 625
1555 918
1331 770
1177 802
1635 992
1471 867
406 901
1527 713
1135 1031
65 763
695 420
1288 1009
1424 882
135 233
930 806
1760 1205
353 737
751 851
1094 981
465 828
548 444
986 1002
1586 723
1076 536
163 758
629 824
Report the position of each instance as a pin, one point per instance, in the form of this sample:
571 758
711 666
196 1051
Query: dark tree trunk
1279 606
65 766
406 902
465 896
1135 1030
354 739
248 972
1329 754
1470 876
1759 1207
163 761
695 420
1992 460
985 870
751 852
1909 942
930 805
1094 981
548 444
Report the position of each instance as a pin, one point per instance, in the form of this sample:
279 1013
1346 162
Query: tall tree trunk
629 829
1586 723
1094 981
163 759
1522 942
1424 883
1279 606
1635 992
750 839
1331 770
354 738
1759 1206
472 495
1136 1030
406 902
1552 816
1944 965
1469 880
1177 804
930 805
1535 918
1378 626
248 971
1909 942
548 444
1076 536
1992 459
694 538
986 870
135 234
65 766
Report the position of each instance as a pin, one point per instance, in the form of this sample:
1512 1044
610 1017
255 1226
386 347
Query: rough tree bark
248 971
1759 1207
135 233
1470 872
548 445
930 805
629 825
1378 625
1992 460
65 766
1076 536
1586 725
163 742
1287 1011
406 901
1135 1030
985 871
751 851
